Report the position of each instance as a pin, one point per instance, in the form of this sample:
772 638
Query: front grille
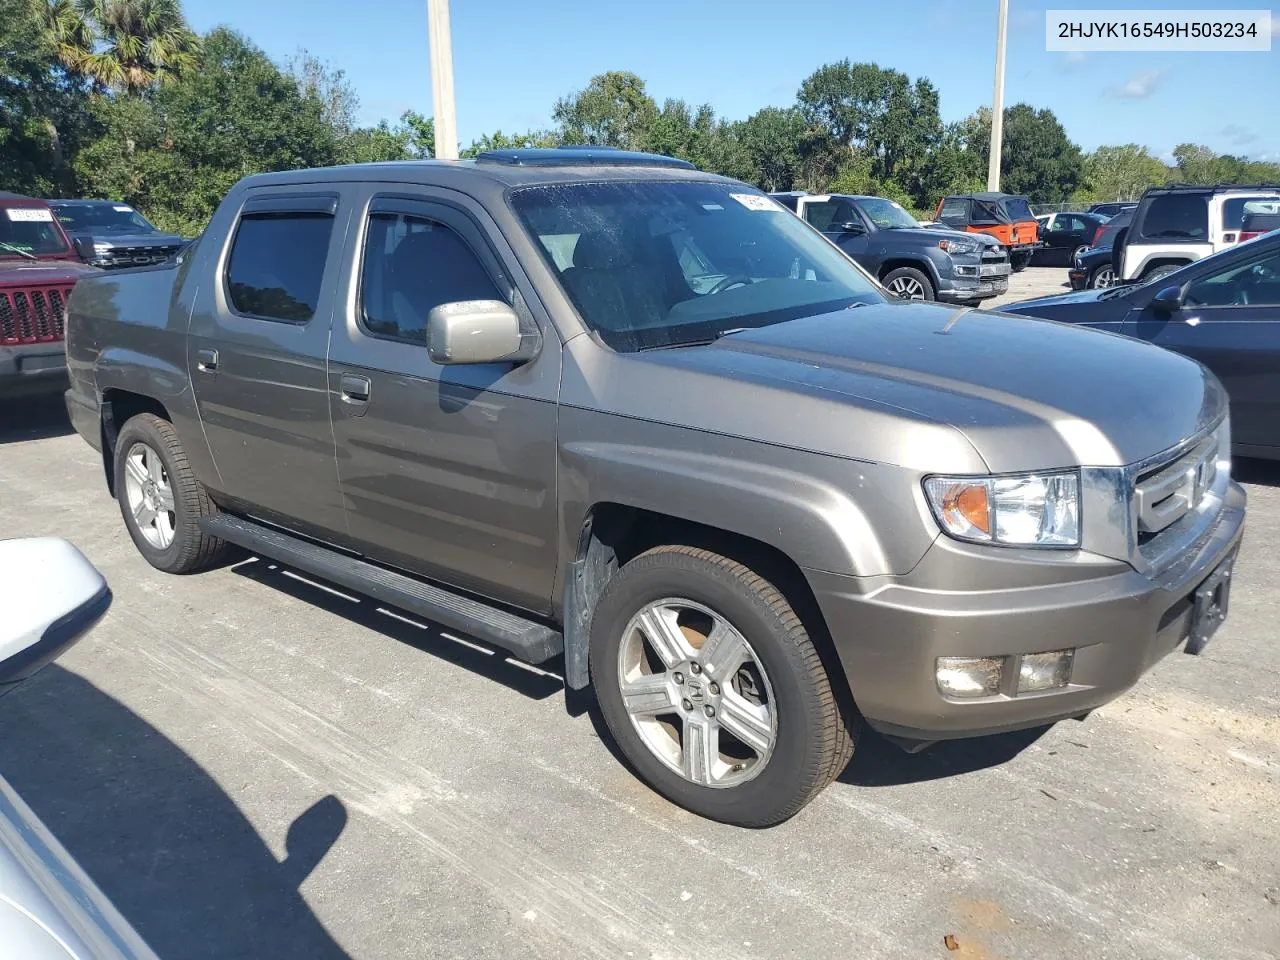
1165 493
135 256
32 315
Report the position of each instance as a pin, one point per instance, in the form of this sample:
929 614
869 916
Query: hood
131 239
1025 394
934 234
29 273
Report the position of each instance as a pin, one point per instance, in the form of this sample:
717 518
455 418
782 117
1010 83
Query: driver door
1230 322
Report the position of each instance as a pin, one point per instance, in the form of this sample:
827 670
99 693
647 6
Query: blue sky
513 58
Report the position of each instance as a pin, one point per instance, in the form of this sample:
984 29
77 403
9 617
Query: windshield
665 263
886 214
103 218
29 230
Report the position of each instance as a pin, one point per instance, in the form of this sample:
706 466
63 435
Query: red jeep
38 268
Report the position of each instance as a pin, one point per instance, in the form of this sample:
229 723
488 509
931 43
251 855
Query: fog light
969 676
1045 671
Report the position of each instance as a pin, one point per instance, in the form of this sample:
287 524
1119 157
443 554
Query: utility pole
997 103
446 118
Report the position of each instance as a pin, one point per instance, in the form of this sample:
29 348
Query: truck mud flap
527 639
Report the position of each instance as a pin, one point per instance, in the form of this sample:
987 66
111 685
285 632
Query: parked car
38 268
912 263
1179 224
1007 218
1093 268
1063 234
49 908
111 235
604 405
1113 209
1223 311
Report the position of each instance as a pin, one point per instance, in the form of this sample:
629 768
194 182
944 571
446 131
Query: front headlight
1027 510
102 248
958 247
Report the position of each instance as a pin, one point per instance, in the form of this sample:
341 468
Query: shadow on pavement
475 655
156 833
33 418
879 763
1249 470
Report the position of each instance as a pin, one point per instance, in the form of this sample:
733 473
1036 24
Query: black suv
110 234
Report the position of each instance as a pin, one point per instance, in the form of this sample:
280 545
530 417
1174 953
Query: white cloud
1072 61
1141 85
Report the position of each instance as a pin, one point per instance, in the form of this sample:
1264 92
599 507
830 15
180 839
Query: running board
529 640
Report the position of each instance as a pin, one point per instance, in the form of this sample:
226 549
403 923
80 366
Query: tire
159 476
1018 262
908 283
683 595
1155 273
1101 277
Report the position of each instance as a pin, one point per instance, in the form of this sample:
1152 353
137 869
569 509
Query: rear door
446 471
1230 322
256 357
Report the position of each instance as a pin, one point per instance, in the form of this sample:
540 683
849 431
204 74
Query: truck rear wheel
908 283
712 688
160 498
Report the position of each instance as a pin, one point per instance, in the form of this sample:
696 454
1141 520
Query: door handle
354 389
207 360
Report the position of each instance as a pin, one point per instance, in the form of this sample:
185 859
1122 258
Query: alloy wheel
907 288
150 496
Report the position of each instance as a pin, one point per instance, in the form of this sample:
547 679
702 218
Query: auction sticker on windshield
29 215
753 201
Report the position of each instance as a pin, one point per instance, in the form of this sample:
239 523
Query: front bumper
889 634
33 368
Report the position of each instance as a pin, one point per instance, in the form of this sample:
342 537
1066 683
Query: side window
955 211
1255 284
820 213
412 265
1177 216
277 263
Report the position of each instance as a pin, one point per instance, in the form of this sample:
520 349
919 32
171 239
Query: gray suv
605 407
913 262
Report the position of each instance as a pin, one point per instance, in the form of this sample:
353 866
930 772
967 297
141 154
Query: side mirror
51 597
478 331
84 248
1167 302
851 226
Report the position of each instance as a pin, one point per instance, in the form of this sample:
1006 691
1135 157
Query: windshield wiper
18 250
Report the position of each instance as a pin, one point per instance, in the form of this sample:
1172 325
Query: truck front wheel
160 498
908 283
712 688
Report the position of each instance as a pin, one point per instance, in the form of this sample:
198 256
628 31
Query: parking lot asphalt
1033 282
252 765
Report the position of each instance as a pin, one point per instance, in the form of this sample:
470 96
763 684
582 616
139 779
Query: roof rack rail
1213 186
580 155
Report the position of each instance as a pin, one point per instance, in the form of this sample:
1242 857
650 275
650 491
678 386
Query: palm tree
123 45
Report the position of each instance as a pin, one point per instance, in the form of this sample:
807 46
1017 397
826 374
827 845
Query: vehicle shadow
1250 470
156 833
33 418
878 762
471 654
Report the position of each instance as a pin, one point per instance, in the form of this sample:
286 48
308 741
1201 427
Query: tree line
121 99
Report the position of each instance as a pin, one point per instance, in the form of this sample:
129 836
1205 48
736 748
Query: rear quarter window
1176 216
1018 209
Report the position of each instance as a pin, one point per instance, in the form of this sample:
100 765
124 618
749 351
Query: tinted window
29 230
955 211
276 264
662 262
1177 216
986 213
1234 209
412 265
1254 284
830 214
1018 209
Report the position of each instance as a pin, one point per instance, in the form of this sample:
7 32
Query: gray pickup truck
603 406
913 262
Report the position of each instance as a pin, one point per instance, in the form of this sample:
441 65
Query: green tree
175 158
878 112
772 139
1039 159
514 141
1123 172
1199 164
613 111
126 45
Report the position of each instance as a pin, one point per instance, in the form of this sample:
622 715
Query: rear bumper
33 368
1120 623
